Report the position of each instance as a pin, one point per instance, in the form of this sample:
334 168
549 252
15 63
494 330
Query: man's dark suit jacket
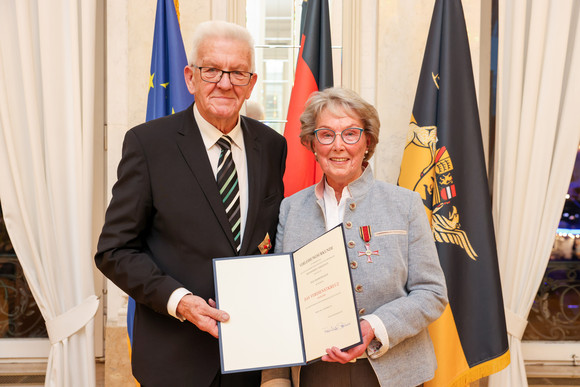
164 225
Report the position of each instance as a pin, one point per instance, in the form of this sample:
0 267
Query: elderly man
202 183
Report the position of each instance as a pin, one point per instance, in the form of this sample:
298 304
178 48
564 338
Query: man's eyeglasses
349 135
213 75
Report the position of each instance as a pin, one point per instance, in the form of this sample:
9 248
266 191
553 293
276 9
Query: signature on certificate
336 327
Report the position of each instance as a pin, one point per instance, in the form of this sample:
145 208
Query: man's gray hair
220 29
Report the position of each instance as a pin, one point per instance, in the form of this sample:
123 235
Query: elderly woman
398 281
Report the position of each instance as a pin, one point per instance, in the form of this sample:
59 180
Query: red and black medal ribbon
365 234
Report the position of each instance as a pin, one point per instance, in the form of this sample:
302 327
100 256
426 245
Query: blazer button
353 265
362 311
348 224
352 206
351 244
358 288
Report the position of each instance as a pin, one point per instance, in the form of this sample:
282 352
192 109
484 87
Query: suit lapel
193 151
253 147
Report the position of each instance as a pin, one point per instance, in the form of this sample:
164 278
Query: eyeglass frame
361 130
222 74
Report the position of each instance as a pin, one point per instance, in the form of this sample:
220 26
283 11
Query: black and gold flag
443 161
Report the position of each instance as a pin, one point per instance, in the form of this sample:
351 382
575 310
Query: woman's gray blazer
404 285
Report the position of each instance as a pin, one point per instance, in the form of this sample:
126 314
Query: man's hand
203 314
334 354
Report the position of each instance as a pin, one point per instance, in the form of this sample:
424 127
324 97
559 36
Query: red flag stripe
300 163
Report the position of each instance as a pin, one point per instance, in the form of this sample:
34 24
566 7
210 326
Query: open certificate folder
286 309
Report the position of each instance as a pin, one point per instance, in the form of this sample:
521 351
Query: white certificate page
259 295
325 295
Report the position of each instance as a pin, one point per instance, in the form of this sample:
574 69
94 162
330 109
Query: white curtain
538 132
47 56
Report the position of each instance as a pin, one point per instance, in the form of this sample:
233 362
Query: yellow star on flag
151 81
165 85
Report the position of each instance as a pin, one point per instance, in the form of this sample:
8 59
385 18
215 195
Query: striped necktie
227 181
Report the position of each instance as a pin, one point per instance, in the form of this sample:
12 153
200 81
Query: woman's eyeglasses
349 135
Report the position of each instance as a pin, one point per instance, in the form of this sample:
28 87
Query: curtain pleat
47 57
536 143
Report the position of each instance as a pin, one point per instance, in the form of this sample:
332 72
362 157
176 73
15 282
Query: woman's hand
334 354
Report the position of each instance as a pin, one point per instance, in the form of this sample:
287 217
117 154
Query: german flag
313 73
444 161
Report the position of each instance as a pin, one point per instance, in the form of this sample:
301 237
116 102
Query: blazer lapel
193 151
253 147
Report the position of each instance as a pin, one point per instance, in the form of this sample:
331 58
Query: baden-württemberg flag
167 89
443 161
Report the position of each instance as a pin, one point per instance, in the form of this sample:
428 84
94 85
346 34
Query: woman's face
341 162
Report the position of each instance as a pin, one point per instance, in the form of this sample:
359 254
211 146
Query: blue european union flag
167 89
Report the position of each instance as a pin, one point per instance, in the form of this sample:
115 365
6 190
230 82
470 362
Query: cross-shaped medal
369 253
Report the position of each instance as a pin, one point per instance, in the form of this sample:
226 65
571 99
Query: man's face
220 103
